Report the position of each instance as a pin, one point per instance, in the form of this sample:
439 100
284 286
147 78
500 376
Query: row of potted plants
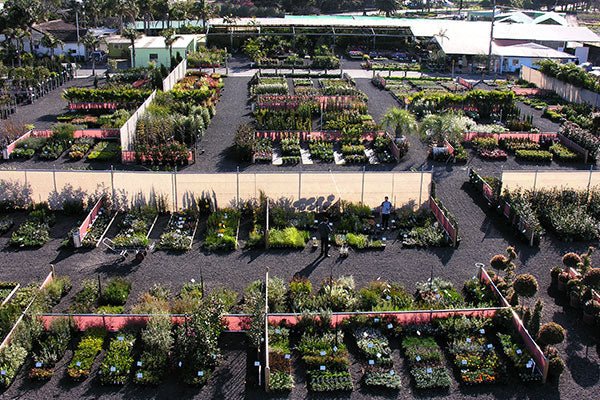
179 232
35 231
135 227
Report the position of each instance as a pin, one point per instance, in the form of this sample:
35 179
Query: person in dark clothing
386 209
324 231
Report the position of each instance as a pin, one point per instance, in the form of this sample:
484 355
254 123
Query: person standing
324 232
386 209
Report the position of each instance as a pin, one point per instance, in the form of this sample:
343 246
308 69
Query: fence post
175 188
267 368
237 178
54 177
535 178
362 194
112 183
299 184
267 225
421 189
590 179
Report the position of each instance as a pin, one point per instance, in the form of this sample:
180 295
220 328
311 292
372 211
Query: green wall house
118 47
153 49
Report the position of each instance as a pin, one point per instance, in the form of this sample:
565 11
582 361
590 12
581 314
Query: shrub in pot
556 364
551 333
591 311
563 278
575 290
592 278
554 275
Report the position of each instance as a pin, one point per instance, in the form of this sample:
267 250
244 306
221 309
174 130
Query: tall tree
51 42
91 42
387 6
145 10
132 35
122 9
170 38
23 14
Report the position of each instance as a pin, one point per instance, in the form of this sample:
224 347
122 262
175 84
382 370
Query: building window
153 56
515 62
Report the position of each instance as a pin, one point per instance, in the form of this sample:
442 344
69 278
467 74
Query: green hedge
534 155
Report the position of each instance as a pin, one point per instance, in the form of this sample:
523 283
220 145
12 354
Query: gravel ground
483 235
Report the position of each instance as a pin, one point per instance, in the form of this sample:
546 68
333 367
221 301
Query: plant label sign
371 362
78 363
376 320
464 362
287 356
482 331
139 375
519 351
112 369
200 373
121 338
139 363
257 363
490 346
370 345
429 371
418 358
468 340
38 365
392 372
3 372
322 368
323 352
334 348
388 297
277 331
179 363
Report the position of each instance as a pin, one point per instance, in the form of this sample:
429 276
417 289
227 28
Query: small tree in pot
591 311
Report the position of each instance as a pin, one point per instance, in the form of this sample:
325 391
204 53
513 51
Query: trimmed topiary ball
525 285
498 262
571 260
551 333
592 278
556 366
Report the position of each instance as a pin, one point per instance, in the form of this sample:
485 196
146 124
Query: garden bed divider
6 152
237 323
537 354
127 132
394 147
10 334
82 231
443 219
107 228
176 74
11 294
266 353
574 146
463 82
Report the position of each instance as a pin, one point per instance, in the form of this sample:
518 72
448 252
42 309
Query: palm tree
402 121
124 8
387 6
51 42
170 38
438 128
20 35
132 35
91 42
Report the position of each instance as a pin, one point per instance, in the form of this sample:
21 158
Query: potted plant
563 278
554 275
575 290
591 311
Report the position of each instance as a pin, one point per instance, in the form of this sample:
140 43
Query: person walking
386 209
324 232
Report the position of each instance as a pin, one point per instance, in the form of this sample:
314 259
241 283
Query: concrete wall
564 90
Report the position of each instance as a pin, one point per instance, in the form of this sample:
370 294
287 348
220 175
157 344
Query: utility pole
489 60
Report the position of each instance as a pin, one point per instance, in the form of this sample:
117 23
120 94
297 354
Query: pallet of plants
564 154
222 229
269 86
156 342
325 356
354 152
321 150
341 87
419 229
79 148
437 294
49 348
135 228
110 98
474 356
375 353
302 82
487 148
180 231
104 151
99 226
360 241
280 359
262 151
572 215
85 353
196 348
114 296
35 231
425 360
290 150
288 228
7 290
382 146
534 155
118 361
28 147
514 350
